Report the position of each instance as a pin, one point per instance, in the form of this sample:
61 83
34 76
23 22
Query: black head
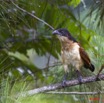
64 32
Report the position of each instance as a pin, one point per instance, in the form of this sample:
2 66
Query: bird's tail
92 68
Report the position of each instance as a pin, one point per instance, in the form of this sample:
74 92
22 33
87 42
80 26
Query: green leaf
74 2
19 56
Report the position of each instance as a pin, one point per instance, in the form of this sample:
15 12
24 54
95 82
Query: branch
102 67
59 85
30 14
76 93
54 65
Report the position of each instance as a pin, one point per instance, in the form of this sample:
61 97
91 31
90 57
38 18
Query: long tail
92 68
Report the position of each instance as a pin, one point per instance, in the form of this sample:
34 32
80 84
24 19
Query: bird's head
63 34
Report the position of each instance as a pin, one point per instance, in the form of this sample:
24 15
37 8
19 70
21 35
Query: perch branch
59 85
76 93
30 14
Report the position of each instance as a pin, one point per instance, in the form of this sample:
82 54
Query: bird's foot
64 80
97 78
79 76
80 79
64 83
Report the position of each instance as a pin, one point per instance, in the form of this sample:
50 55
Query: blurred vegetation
29 54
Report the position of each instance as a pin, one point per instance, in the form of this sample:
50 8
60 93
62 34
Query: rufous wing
86 60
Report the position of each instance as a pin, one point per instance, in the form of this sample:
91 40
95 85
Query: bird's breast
71 55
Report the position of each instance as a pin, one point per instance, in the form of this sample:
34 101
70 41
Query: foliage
93 17
29 52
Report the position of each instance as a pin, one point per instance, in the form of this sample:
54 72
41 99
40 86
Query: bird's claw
80 79
79 76
64 83
97 78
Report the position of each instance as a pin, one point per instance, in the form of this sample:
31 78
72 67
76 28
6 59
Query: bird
72 53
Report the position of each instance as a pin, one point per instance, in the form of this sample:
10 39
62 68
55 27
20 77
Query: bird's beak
56 32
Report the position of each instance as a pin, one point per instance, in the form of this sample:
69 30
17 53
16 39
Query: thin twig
59 85
50 66
49 57
21 9
13 40
76 93
102 67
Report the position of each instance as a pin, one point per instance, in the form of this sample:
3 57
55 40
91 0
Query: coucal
72 54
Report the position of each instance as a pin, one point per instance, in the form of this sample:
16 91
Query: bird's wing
85 57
